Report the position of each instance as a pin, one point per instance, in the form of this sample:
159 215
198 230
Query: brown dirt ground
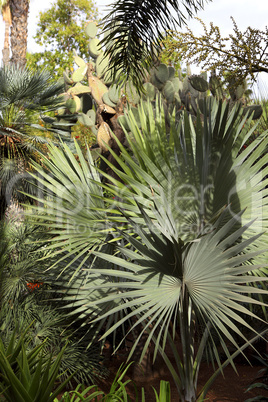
230 388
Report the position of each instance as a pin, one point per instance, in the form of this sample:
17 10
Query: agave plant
180 241
28 376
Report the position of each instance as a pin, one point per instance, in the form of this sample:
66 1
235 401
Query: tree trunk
7 19
19 14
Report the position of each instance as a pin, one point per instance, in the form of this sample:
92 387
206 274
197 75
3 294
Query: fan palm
23 94
185 226
134 29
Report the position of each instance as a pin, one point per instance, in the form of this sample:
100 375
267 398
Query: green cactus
149 91
92 115
177 84
185 85
79 89
102 64
169 91
91 29
79 61
98 88
67 79
162 73
198 83
132 94
158 84
114 93
106 99
102 93
79 74
171 72
94 48
86 120
73 104
215 86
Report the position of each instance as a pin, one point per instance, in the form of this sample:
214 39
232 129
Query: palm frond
157 278
182 178
134 29
32 90
185 235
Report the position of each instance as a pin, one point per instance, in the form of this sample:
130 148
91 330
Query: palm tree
15 15
180 245
134 29
23 95
6 14
19 32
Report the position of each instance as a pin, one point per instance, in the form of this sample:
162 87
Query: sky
245 12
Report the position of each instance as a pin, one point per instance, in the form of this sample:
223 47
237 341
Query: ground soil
229 388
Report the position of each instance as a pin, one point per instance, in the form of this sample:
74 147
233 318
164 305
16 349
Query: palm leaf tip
134 29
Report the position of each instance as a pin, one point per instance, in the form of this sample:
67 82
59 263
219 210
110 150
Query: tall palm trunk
7 19
19 14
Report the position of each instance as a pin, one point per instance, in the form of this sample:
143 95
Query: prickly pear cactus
94 98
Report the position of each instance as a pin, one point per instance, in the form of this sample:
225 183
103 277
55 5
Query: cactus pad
177 84
198 83
98 88
104 136
158 84
91 29
162 73
169 91
171 72
106 99
214 85
114 93
79 61
85 120
92 115
79 89
102 64
94 48
67 79
73 104
131 94
79 74
149 91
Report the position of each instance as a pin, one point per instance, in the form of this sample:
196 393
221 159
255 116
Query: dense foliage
156 233
61 31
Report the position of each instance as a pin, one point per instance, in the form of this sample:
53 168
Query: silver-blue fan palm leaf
182 246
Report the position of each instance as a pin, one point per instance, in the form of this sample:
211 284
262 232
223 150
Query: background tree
60 31
239 56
